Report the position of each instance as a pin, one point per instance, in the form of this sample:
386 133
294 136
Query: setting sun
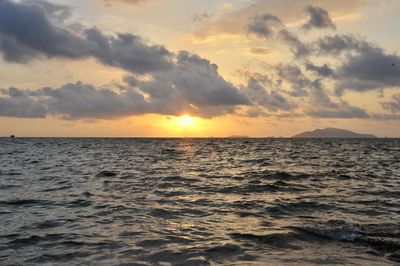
186 121
184 125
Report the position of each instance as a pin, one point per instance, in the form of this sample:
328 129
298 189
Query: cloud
234 22
393 105
298 48
354 64
322 106
76 101
26 33
129 2
293 75
162 82
12 51
336 45
345 111
362 65
315 102
19 103
260 50
192 86
129 52
323 71
195 84
175 83
319 19
264 25
57 12
310 96
370 69
28 27
386 117
272 101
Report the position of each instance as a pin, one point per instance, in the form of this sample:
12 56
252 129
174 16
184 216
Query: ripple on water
106 173
199 202
25 202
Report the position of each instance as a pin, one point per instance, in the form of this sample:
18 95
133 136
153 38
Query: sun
184 125
186 121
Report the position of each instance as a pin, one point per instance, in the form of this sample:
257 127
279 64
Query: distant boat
12 136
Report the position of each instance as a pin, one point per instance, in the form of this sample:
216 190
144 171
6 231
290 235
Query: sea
95 201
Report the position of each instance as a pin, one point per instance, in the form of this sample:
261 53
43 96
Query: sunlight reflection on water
199 201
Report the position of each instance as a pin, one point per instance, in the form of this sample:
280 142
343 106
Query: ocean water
199 202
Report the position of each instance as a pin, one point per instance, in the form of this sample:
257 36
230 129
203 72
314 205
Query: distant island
333 133
238 137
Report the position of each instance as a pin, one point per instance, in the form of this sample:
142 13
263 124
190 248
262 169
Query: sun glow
186 121
184 126
188 126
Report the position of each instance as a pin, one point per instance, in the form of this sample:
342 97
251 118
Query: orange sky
190 68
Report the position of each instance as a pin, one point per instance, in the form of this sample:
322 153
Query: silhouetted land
333 133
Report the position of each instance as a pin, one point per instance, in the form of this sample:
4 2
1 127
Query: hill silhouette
333 133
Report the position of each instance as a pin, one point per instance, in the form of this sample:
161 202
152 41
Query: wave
199 202
25 202
107 173
384 238
279 240
342 233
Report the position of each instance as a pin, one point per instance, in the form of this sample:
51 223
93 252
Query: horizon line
175 137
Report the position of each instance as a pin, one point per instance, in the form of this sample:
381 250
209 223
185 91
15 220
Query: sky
190 68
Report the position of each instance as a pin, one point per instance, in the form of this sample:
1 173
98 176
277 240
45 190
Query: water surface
199 202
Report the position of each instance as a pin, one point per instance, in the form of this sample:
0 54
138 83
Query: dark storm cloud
26 28
19 103
319 18
393 105
264 25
